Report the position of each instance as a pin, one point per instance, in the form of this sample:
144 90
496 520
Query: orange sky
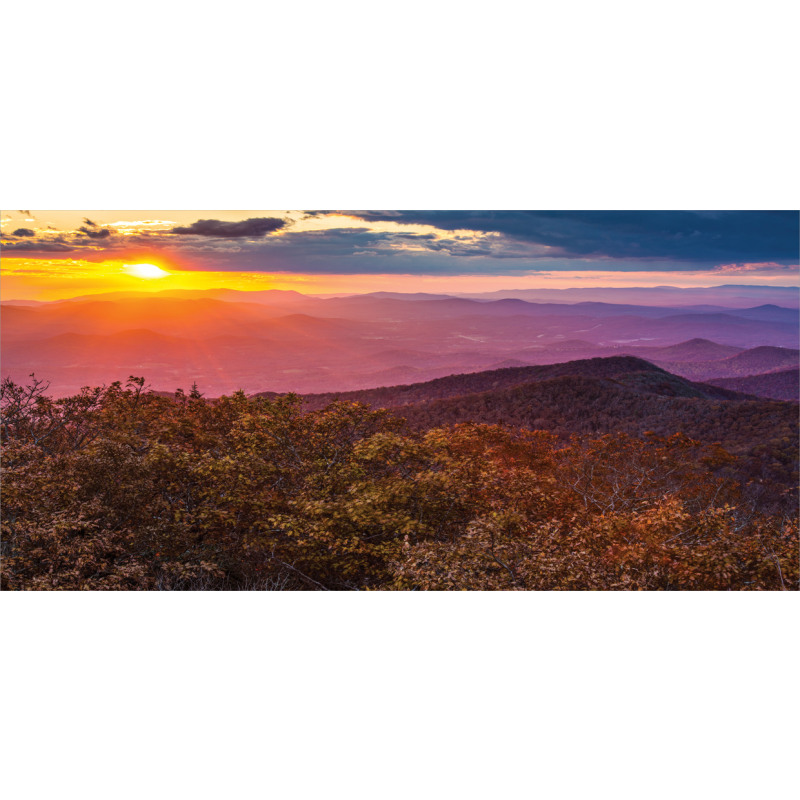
38 279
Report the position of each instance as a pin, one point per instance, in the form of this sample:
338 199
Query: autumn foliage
120 488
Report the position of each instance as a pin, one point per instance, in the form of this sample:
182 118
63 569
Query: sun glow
145 271
59 279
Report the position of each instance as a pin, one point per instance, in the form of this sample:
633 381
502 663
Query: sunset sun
146 271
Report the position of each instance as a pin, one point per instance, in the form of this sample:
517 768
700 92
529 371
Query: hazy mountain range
285 341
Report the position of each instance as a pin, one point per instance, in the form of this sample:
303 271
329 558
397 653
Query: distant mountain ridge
732 295
725 295
692 350
285 341
755 361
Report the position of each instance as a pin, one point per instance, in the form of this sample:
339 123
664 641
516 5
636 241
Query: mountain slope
762 434
624 370
598 396
783 385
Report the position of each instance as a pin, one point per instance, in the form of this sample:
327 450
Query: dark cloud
24 232
257 226
705 237
429 237
103 233
25 213
31 246
90 223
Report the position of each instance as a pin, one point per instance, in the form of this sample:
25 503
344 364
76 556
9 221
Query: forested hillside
783 385
601 396
498 379
121 488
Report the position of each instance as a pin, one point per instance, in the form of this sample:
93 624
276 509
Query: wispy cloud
761 266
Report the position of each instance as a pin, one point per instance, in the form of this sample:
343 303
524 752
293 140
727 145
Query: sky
48 255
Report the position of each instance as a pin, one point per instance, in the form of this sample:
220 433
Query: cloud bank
441 242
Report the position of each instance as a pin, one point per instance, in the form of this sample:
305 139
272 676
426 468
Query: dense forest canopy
122 488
